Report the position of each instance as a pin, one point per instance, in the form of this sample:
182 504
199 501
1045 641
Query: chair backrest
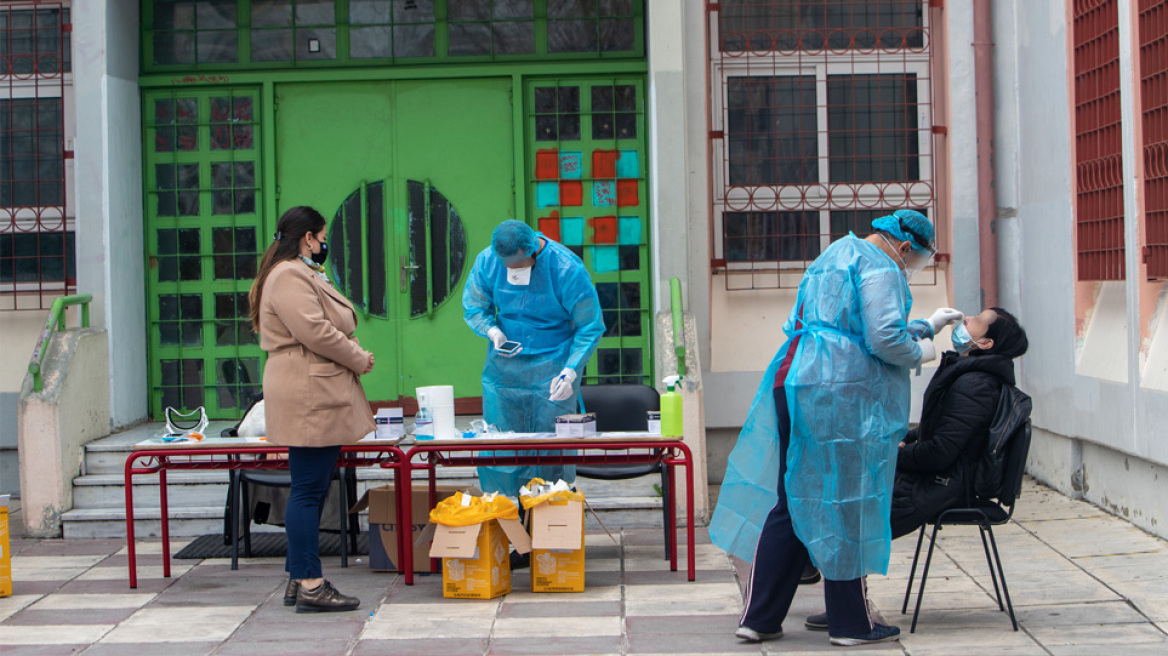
620 407
1016 453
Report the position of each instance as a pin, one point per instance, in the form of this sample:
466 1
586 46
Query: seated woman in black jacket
935 465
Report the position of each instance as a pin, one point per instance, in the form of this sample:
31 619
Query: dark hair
1008 335
291 227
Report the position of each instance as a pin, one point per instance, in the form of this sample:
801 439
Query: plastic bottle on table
671 409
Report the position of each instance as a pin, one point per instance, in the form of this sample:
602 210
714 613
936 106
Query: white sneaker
750 635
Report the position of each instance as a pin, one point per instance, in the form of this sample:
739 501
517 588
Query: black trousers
779 559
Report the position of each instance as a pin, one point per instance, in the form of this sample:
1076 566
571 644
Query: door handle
404 268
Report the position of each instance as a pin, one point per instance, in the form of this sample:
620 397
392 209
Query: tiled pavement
1083 582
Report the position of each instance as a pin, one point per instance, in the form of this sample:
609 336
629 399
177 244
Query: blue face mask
962 340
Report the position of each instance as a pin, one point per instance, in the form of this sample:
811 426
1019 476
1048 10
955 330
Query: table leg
405 511
131 552
435 563
165 516
672 527
691 551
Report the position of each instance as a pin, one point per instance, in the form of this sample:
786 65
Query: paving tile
679 577
86 601
263 629
1099 634
43 650
691 599
35 588
304 647
556 627
1110 612
152 546
195 624
1096 650
103 573
34 617
51 568
428 627
123 585
696 643
70 547
715 624
566 608
9 606
568 646
151 649
50 635
591 593
437 647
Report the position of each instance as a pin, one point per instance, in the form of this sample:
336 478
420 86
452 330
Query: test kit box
576 425
5 550
557 543
384 526
476 561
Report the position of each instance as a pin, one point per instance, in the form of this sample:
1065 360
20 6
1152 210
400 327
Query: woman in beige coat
313 398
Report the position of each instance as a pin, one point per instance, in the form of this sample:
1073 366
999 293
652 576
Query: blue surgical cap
514 238
910 226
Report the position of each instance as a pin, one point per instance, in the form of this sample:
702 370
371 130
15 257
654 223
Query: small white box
576 425
390 423
654 417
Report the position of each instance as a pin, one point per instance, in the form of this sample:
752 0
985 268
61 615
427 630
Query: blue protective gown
558 321
848 394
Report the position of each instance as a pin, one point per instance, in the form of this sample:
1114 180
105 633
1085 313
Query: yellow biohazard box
475 557
5 553
557 536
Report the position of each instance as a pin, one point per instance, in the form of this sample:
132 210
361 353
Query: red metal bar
164 514
672 527
1099 207
131 552
1153 74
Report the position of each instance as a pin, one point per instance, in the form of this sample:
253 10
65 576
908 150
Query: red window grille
1153 35
1098 142
822 121
37 261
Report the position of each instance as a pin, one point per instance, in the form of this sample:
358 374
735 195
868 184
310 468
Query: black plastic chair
625 408
239 506
984 514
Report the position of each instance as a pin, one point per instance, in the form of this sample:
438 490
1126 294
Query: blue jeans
312 471
779 560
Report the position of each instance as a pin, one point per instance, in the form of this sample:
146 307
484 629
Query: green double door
412 177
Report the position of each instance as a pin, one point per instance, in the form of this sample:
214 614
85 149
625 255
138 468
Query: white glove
496 336
943 317
928 351
562 385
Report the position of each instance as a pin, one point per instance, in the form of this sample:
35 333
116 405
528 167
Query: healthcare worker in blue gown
529 289
811 474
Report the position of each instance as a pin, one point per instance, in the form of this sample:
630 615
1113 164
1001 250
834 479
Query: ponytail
291 227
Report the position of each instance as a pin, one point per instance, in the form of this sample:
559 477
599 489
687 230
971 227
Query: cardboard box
5 550
476 561
557 541
576 425
383 525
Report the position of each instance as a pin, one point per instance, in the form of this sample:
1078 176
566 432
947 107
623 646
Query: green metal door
413 176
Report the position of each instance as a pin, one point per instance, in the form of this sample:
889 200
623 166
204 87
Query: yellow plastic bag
558 492
463 509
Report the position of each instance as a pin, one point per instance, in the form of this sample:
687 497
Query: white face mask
519 277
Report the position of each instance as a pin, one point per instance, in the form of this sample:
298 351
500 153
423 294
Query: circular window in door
362 260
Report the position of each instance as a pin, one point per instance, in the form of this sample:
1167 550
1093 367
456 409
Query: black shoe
520 561
810 576
290 592
816 622
324 599
879 633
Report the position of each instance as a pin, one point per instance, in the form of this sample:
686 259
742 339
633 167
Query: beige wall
746 326
20 329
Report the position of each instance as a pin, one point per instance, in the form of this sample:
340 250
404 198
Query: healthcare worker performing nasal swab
534 301
811 474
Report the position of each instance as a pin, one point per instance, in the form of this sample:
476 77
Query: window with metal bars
36 231
1153 72
822 121
1099 238
232 34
